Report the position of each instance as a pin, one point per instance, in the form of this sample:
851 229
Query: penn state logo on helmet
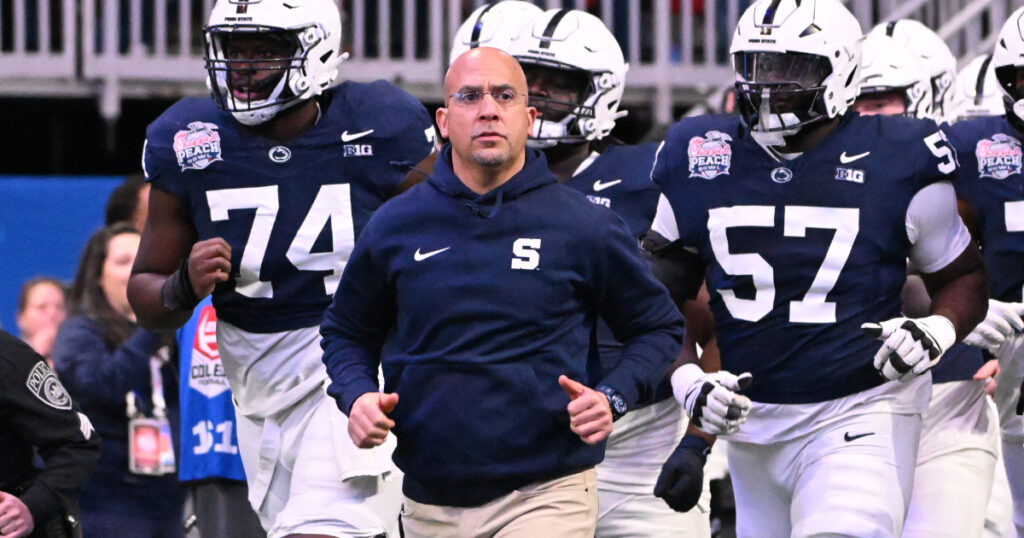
198 146
999 157
710 155
42 382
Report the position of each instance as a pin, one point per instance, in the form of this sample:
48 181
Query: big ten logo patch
357 150
206 373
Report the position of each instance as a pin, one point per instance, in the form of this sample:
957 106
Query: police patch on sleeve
710 155
198 146
43 383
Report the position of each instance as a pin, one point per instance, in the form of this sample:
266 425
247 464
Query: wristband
177 292
683 378
696 444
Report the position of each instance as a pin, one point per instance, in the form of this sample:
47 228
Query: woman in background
118 372
40 313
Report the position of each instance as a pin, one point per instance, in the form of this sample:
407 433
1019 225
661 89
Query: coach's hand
1001 321
208 264
368 422
910 344
711 399
590 416
682 476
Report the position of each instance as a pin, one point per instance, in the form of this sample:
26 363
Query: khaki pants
564 507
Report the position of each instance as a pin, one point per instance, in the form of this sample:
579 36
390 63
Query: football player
938 60
805 215
991 183
492 25
977 91
576 74
959 439
258 196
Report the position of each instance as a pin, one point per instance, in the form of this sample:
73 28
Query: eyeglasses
504 97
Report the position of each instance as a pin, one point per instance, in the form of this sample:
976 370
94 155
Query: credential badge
710 155
999 157
198 146
43 383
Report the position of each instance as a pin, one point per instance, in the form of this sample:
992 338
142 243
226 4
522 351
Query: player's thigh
855 477
951 494
223 510
999 512
760 474
1011 371
335 488
628 515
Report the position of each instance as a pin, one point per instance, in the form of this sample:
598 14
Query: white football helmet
797 63
573 44
888 67
977 90
493 25
312 27
1008 64
938 59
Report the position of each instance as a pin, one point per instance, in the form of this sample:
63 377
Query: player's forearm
144 294
963 301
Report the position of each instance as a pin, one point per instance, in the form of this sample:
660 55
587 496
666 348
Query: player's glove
682 476
910 344
1001 321
710 399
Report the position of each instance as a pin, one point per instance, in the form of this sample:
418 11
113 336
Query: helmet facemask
1011 80
778 94
566 102
256 72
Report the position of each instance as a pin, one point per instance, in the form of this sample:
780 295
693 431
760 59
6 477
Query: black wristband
177 292
696 444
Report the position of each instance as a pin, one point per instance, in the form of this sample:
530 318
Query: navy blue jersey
620 179
801 253
484 300
990 180
290 211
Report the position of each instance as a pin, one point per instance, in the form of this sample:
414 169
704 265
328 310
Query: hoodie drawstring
478 211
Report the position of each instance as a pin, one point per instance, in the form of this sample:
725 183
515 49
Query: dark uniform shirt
36 414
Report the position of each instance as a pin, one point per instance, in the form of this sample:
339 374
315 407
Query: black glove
682 477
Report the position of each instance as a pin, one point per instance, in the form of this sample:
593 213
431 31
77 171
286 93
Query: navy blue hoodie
483 301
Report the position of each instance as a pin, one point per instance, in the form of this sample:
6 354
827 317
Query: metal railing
677 49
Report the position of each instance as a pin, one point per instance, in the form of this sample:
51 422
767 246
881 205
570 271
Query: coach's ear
441 117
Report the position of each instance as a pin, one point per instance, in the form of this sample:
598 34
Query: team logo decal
198 146
999 157
206 375
279 154
710 155
782 175
43 383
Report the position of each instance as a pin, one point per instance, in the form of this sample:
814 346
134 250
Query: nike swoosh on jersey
598 186
420 256
847 437
846 159
345 137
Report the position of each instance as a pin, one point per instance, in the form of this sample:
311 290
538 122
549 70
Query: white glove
910 344
710 399
1001 321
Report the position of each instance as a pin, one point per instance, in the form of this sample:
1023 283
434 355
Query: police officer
37 416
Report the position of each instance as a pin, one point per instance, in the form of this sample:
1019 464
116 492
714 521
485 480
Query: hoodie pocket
461 419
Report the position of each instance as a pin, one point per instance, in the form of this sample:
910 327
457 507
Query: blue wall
44 223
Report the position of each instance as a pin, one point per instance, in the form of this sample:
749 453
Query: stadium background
81 79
